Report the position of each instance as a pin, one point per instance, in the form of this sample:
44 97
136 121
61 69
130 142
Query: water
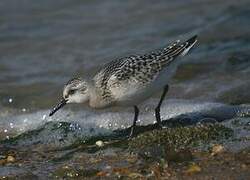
44 44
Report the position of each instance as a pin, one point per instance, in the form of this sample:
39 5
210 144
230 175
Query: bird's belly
135 97
136 94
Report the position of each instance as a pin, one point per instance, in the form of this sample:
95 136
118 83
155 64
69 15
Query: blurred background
45 43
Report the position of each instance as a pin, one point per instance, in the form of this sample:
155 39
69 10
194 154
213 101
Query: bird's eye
72 91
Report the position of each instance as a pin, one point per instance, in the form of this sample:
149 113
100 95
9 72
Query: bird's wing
145 68
102 78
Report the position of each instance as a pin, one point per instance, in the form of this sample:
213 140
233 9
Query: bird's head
75 91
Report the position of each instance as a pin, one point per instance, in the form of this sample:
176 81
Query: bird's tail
177 48
172 51
188 45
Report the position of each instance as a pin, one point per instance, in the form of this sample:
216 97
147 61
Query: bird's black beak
62 103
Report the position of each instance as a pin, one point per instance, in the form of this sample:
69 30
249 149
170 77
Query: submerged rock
65 172
178 156
153 152
181 137
71 172
244 156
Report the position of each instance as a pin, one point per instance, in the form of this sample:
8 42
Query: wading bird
128 81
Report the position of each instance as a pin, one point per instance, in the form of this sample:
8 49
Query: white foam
108 119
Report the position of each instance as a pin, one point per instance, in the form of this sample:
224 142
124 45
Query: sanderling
128 81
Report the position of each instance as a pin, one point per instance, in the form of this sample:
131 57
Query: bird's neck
95 98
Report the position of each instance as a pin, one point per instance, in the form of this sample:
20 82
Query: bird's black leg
158 108
134 122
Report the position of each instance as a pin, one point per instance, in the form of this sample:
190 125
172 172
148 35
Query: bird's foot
132 132
159 125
